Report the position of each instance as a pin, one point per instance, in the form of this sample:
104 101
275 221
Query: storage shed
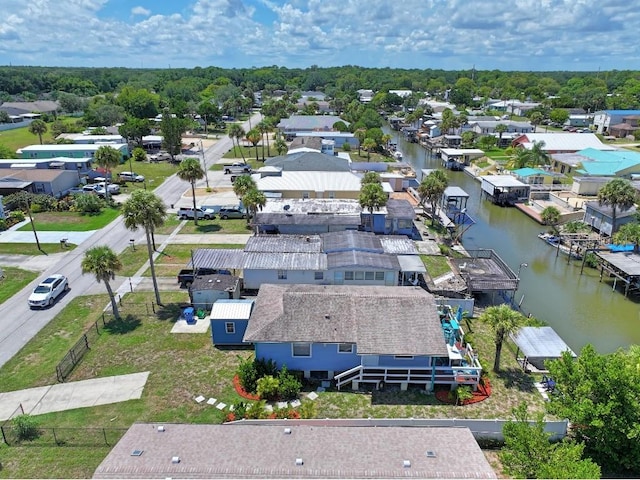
207 289
537 345
229 320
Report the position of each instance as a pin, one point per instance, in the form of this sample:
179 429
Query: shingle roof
214 282
379 320
265 451
309 161
397 208
398 245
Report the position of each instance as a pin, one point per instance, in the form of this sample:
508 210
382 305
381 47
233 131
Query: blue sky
446 34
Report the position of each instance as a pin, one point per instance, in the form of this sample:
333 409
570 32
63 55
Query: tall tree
243 184
254 136
617 194
253 200
369 145
538 155
551 216
172 128
39 128
108 158
133 129
503 321
360 134
535 119
237 132
500 129
372 197
629 233
145 210
281 146
264 127
431 189
191 171
209 112
102 262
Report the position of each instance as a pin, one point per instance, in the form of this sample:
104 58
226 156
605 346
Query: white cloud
514 34
144 12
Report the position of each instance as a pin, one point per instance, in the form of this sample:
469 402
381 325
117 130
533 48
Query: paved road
19 324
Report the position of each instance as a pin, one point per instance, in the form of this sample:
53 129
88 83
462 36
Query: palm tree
145 209
551 216
431 189
108 158
386 138
500 129
369 144
372 197
254 136
628 233
371 177
521 158
618 193
264 129
236 131
503 320
360 134
281 146
536 119
191 171
103 263
243 184
38 127
537 154
253 200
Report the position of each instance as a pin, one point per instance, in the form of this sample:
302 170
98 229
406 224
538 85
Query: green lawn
132 259
13 281
229 226
170 224
437 265
154 174
21 137
71 221
32 249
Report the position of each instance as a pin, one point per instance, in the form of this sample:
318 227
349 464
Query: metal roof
357 259
411 263
627 262
503 181
540 342
273 218
564 142
285 261
455 191
219 258
398 244
351 240
224 309
284 244
311 181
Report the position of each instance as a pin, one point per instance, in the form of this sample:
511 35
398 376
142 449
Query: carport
411 266
537 345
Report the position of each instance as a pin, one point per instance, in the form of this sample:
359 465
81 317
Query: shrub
240 409
461 394
88 204
26 427
3 225
16 216
266 367
256 410
308 409
268 387
289 385
248 375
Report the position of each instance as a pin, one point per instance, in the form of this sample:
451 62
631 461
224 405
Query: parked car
113 188
160 156
48 291
91 188
231 212
237 168
187 213
131 177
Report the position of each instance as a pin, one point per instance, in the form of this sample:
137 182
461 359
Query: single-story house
229 319
300 450
309 161
81 166
458 158
310 184
598 163
357 334
205 290
504 189
26 108
561 142
579 120
533 176
296 216
88 139
395 218
38 180
600 217
69 150
308 123
488 127
588 186
339 138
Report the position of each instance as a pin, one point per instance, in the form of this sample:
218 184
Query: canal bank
579 307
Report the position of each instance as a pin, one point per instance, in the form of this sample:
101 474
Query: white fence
480 428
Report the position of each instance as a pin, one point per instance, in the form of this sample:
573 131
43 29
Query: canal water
579 307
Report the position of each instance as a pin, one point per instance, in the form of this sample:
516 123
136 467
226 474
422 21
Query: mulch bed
238 386
482 393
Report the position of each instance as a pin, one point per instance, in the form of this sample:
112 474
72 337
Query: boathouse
485 272
504 189
458 158
622 266
537 345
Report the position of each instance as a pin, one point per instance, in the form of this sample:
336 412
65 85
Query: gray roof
284 244
357 259
455 191
309 162
306 142
540 342
608 211
627 262
378 319
282 218
411 263
400 208
223 283
309 122
218 258
19 108
398 244
350 240
285 261
265 451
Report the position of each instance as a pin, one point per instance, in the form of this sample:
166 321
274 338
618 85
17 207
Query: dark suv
231 212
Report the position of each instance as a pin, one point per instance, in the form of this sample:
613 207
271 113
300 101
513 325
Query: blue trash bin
189 316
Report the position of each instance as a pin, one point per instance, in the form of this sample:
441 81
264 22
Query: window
282 274
348 275
331 194
380 276
318 276
368 276
345 348
230 327
404 223
301 349
305 195
359 275
403 357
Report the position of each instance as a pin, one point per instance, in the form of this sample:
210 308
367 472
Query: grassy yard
14 280
154 174
175 257
229 226
436 265
71 221
32 248
21 137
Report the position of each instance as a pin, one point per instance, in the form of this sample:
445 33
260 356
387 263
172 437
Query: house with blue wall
229 318
361 334
395 218
70 150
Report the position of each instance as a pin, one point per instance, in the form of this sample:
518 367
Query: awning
56 164
411 263
540 342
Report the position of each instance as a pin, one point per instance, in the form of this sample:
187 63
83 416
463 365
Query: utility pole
204 164
33 226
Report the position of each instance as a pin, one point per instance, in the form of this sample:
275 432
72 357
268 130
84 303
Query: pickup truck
187 213
186 275
237 168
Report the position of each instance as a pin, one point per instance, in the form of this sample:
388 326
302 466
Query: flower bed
238 386
482 393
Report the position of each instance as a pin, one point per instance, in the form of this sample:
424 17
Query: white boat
556 242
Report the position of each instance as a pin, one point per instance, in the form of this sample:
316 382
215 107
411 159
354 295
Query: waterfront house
458 158
533 176
229 319
36 180
395 218
488 127
309 161
69 150
338 138
604 119
361 334
504 189
205 290
598 163
309 184
561 142
600 217
308 123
